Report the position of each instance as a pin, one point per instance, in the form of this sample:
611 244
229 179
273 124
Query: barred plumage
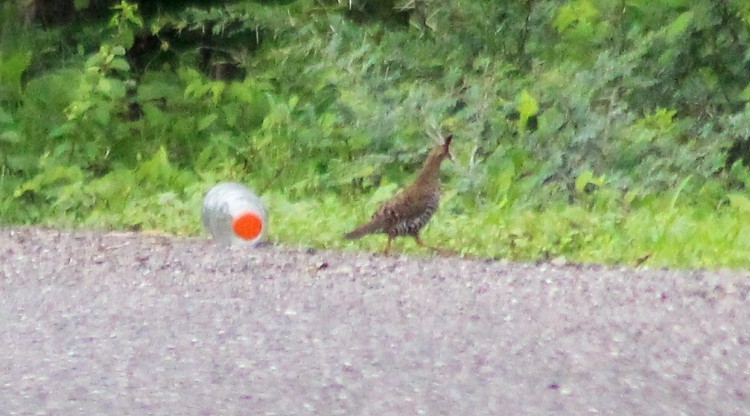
411 209
411 226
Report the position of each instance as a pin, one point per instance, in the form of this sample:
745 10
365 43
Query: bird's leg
442 251
388 246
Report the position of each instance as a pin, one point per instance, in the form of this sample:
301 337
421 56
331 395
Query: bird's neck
429 175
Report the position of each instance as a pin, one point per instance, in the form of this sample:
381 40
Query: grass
668 230
657 233
681 236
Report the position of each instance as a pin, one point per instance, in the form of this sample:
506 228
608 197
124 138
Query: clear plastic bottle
233 214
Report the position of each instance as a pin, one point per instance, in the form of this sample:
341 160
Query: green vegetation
613 131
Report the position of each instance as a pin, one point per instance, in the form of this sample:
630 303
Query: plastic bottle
233 214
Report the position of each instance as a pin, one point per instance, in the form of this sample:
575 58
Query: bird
409 210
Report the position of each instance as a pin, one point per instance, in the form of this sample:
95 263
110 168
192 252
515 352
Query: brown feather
374 225
409 210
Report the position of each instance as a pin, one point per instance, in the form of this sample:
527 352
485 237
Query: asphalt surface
113 324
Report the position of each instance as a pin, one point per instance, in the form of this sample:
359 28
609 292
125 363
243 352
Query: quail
408 211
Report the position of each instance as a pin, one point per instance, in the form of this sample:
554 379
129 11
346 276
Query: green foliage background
611 131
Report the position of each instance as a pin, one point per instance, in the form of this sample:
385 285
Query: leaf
158 167
745 94
231 112
503 181
740 203
574 13
53 176
154 116
62 130
111 187
293 102
551 121
587 177
677 28
217 90
527 106
584 179
12 66
101 115
207 121
120 64
112 88
118 50
10 137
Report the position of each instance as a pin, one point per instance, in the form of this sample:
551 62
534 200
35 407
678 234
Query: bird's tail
369 227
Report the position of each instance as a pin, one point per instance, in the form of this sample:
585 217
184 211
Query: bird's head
441 150
431 168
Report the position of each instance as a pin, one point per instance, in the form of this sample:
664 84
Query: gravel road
117 323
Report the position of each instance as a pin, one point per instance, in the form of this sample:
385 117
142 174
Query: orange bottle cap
247 225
